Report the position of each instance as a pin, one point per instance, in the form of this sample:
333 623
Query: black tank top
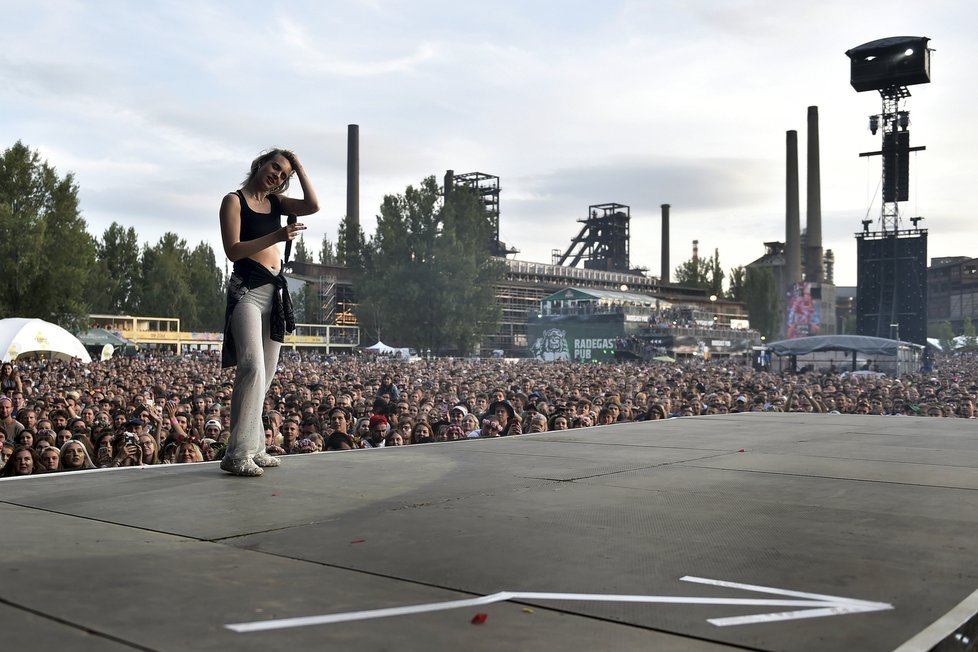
253 224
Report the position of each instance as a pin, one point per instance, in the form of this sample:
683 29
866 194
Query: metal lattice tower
486 187
603 241
894 122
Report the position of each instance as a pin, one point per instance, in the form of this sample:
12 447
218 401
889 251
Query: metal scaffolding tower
603 241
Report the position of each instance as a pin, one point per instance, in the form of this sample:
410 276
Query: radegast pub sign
588 340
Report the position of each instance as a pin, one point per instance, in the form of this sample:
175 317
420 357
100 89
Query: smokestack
449 182
664 277
792 235
813 234
352 180
696 249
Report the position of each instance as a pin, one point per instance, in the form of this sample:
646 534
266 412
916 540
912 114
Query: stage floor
732 532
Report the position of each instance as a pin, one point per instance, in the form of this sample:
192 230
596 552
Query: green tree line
54 269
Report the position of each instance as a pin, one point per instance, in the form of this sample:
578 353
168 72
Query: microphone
292 219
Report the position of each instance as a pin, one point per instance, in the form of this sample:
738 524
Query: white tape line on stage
818 605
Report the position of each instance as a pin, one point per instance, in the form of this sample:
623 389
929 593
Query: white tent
961 341
381 348
34 336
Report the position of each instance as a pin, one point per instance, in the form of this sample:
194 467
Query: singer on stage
259 309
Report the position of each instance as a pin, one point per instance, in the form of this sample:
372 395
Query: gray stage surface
734 532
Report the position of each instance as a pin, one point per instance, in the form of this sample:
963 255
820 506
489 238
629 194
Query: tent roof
101 337
858 343
381 347
958 342
592 294
20 336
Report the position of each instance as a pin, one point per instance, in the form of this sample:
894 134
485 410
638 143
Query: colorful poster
804 317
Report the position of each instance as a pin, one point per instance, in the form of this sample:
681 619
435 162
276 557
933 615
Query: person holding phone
129 453
259 310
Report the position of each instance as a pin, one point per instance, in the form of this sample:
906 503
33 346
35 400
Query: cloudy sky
158 107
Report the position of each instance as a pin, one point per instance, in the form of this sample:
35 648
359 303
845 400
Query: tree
350 245
301 254
945 335
178 282
115 285
326 254
763 301
395 290
470 311
47 256
737 289
208 287
428 280
165 285
702 273
305 303
693 273
970 336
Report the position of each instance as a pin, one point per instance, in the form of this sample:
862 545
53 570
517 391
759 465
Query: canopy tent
905 356
593 295
100 337
858 343
25 337
103 343
382 348
959 342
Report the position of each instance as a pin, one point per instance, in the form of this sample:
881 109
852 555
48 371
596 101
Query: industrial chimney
664 277
813 232
792 236
352 180
449 182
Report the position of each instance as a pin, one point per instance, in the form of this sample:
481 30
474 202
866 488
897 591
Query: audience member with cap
212 429
457 414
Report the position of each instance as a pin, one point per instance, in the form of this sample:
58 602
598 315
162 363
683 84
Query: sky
158 107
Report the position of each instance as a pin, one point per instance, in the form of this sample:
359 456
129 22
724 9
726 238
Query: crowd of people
64 416
673 316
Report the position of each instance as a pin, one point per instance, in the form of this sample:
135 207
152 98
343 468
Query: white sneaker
266 460
241 467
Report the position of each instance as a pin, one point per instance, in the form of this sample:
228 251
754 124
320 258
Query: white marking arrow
830 605
817 605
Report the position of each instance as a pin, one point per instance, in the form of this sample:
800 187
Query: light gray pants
257 360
